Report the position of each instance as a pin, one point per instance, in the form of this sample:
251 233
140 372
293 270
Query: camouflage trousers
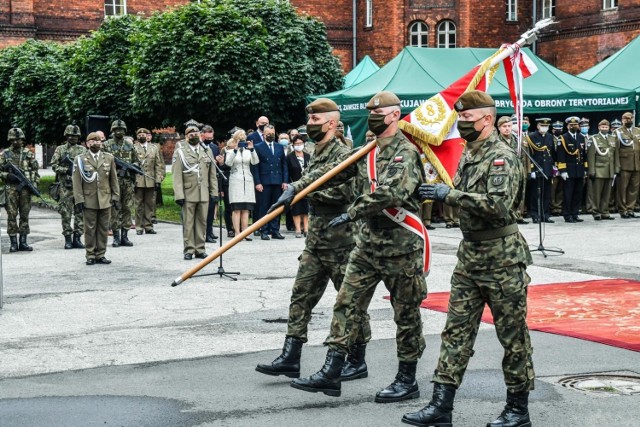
66 208
402 276
504 290
316 267
121 219
18 203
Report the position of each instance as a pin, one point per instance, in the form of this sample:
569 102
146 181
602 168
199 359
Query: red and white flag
518 66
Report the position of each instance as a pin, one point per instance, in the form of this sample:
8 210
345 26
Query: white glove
533 175
564 175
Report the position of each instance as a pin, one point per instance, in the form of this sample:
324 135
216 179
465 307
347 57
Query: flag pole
265 219
526 39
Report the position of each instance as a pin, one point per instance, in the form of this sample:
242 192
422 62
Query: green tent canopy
416 74
364 69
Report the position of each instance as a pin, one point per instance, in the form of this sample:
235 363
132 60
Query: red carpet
604 311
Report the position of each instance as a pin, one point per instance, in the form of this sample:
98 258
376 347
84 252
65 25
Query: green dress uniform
194 181
512 142
64 177
152 164
602 160
18 202
95 184
491 268
628 180
384 250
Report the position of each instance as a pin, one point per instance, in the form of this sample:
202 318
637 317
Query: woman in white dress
239 156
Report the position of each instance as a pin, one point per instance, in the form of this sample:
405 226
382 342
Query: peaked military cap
504 119
321 105
584 121
191 129
142 130
572 120
616 123
557 124
603 122
474 99
627 115
544 121
302 130
383 99
525 119
93 136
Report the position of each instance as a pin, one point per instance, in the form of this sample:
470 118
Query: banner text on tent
405 103
580 102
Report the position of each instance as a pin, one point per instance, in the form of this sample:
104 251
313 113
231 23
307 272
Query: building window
446 34
418 34
548 8
369 14
115 7
609 4
512 10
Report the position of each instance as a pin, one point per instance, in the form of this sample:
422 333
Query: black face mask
270 138
315 132
261 127
468 131
377 124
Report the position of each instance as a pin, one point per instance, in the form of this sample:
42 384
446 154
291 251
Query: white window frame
512 10
446 29
110 8
369 14
548 8
419 29
609 4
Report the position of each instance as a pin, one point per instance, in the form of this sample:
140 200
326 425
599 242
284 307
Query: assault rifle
125 167
23 181
66 160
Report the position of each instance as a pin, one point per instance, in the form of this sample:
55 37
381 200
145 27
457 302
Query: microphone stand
221 272
541 216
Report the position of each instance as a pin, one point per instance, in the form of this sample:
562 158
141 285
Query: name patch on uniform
498 162
398 159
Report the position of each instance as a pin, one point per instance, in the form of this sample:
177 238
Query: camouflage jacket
62 169
400 172
25 160
327 204
488 190
124 151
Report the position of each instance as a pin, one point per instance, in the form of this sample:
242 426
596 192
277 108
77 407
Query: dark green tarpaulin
364 69
416 74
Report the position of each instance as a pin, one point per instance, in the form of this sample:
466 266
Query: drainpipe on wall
355 34
535 14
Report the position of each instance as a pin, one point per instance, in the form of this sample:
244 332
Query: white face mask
298 147
544 129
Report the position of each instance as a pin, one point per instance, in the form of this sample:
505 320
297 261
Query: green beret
544 121
321 105
603 122
142 130
191 129
474 99
383 99
504 119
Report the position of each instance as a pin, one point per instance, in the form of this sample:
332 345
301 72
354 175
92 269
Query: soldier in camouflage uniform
491 269
385 251
18 201
325 254
121 146
62 165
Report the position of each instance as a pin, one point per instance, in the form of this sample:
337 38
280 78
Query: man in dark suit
572 161
270 176
209 141
258 136
540 145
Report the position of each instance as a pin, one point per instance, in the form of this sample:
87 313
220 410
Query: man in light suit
95 190
152 165
194 182
270 177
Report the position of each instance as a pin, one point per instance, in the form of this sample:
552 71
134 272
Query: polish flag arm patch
498 162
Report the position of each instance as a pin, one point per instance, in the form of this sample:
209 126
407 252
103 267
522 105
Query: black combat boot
77 243
116 239
438 411
124 240
327 379
288 363
404 387
516 411
14 244
355 367
67 242
23 244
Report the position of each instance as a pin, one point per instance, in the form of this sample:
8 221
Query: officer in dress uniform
152 165
588 185
540 144
557 184
628 152
506 135
572 165
602 168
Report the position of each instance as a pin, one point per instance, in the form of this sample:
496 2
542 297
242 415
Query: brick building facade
586 33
